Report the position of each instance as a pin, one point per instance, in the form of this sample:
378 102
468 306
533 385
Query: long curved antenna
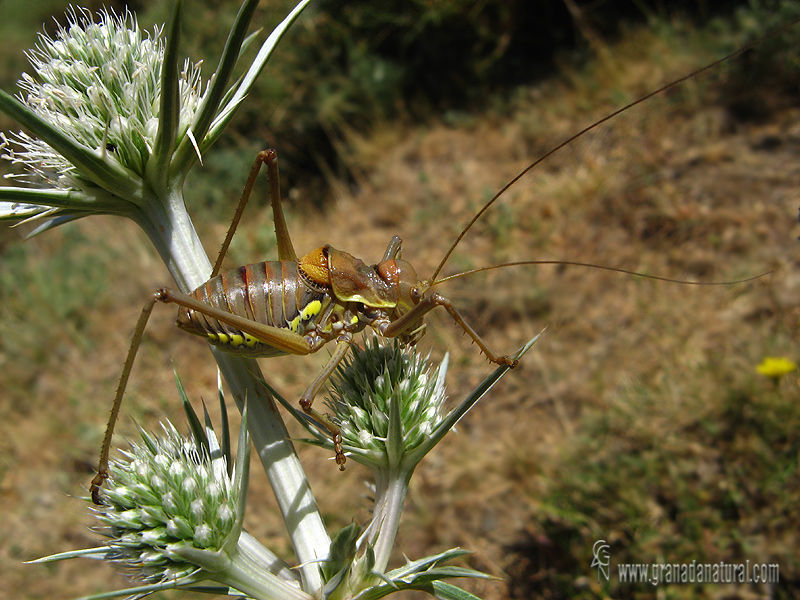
573 263
594 125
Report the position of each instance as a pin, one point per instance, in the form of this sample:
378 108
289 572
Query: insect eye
416 293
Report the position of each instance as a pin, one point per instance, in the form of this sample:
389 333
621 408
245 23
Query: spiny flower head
382 381
168 492
100 83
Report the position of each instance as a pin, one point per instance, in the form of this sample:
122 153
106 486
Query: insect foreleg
448 306
427 304
285 247
105 449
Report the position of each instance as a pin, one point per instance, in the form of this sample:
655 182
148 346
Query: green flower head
167 493
387 401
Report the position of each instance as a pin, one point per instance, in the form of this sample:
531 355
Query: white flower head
100 83
113 122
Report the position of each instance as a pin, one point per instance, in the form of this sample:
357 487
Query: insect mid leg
307 399
285 247
105 449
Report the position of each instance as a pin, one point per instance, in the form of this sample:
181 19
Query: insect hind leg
285 248
283 339
105 449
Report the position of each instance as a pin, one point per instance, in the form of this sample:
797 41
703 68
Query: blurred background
639 418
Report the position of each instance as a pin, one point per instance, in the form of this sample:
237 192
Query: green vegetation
665 480
55 285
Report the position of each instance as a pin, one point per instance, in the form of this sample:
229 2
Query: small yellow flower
776 367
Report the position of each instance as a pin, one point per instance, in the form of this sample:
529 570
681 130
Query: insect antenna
572 138
573 263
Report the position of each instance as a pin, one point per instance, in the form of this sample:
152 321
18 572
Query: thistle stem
391 490
245 573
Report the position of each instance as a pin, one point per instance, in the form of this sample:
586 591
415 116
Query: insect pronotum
298 305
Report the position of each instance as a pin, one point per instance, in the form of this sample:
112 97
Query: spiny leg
280 338
492 356
285 248
105 449
307 399
427 304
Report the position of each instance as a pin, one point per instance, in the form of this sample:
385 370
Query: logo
602 559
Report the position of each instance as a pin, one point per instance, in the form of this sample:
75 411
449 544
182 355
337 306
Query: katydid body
297 306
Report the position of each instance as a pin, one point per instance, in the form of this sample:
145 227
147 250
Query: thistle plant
114 121
173 515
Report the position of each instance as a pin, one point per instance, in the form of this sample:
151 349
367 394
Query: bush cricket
298 305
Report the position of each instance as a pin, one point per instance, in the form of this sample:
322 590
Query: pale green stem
245 572
391 488
169 227
267 561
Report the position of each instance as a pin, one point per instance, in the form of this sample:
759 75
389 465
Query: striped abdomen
271 293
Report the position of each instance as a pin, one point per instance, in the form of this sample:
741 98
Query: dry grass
676 190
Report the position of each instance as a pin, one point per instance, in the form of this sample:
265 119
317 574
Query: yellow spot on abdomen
311 310
308 312
235 340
